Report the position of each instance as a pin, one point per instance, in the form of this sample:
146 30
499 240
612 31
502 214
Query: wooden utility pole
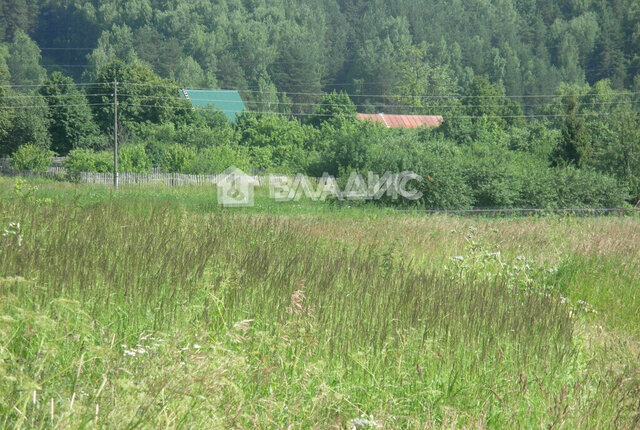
115 134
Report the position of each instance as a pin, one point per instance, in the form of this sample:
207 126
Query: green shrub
96 142
493 175
201 136
133 159
86 160
583 188
438 162
104 162
81 160
177 158
32 157
217 159
278 142
78 161
262 157
350 145
537 186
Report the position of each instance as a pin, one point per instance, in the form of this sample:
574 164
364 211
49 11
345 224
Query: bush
537 186
133 159
493 174
201 137
350 145
217 159
582 188
104 162
278 142
81 160
96 142
177 158
86 160
438 162
32 157
78 161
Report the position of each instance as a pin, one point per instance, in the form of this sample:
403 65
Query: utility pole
115 134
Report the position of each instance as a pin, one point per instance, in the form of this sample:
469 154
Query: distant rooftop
402 121
228 101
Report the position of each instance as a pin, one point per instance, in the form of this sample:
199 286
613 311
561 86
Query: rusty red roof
403 121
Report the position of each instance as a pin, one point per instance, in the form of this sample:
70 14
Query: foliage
349 145
146 97
32 157
27 122
133 159
24 61
86 160
423 85
333 106
277 142
484 101
217 159
582 188
71 122
177 158
575 144
526 89
80 160
444 184
308 46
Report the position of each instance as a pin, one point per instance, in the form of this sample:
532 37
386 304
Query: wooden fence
163 179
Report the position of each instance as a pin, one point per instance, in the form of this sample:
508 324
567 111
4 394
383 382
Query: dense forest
539 97
528 46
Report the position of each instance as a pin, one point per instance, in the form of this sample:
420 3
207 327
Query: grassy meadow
156 308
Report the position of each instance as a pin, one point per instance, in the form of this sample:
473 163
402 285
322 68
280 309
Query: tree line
539 98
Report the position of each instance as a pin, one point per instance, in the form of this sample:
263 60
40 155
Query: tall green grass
134 312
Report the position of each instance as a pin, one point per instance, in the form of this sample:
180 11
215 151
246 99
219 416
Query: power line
75 84
45 106
367 105
461 96
67 49
68 65
388 96
36 96
354 84
328 115
320 104
524 116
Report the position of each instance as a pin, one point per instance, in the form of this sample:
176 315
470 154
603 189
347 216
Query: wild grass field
155 308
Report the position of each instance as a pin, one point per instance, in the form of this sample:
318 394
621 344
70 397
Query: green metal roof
228 101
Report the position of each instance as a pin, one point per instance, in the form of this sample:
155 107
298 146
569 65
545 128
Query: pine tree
575 144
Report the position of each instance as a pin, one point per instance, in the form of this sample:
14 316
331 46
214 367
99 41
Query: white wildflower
364 422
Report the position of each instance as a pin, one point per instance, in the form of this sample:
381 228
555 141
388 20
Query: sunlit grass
146 309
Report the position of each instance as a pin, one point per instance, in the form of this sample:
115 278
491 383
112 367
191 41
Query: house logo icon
236 188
